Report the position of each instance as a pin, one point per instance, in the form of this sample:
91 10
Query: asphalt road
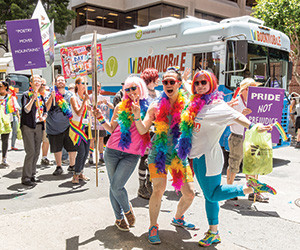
59 215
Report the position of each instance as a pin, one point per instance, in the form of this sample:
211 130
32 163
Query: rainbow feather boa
162 127
188 117
125 120
39 103
63 104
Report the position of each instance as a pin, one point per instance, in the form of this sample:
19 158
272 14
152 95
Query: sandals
75 179
83 177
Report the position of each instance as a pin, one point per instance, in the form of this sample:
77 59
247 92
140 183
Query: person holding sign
124 148
202 125
236 137
80 130
32 125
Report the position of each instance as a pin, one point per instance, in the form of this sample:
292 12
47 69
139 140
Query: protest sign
266 105
26 44
77 61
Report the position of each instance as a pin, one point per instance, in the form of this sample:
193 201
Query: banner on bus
266 105
26 44
77 60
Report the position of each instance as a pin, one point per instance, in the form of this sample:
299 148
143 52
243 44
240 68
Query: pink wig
134 80
210 77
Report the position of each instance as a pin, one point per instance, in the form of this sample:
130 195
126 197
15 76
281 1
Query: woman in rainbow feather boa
165 114
124 148
202 124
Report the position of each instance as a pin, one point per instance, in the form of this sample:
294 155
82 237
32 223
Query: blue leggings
213 190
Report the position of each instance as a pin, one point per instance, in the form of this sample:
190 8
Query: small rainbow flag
280 130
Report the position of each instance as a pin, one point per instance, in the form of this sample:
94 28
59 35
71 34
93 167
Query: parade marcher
45 141
58 124
104 105
295 115
5 127
15 119
163 156
202 125
32 125
124 148
150 77
236 138
80 130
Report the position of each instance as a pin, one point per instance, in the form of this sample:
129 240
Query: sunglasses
171 82
203 83
131 88
43 85
84 83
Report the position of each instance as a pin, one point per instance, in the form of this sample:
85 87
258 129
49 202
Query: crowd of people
171 131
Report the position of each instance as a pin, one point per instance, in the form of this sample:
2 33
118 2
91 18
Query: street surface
56 214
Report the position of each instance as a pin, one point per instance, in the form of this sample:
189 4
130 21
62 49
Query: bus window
207 61
266 65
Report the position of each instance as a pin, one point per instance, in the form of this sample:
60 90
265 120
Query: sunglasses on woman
131 88
203 83
84 83
171 82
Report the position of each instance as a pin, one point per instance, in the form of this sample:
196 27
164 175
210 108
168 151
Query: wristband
251 125
101 119
137 119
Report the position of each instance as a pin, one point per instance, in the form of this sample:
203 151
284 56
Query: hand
34 95
86 97
53 94
246 111
186 74
136 109
97 112
233 102
263 128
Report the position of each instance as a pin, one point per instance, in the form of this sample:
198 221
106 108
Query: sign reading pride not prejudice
266 105
26 44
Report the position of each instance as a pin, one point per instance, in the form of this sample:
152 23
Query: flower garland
162 127
63 104
125 120
39 103
197 102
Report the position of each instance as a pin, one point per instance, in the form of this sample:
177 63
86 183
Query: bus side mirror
290 71
242 51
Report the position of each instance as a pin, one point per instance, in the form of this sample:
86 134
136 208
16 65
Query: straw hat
247 82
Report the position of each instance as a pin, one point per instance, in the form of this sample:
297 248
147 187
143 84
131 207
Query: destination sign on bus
265 37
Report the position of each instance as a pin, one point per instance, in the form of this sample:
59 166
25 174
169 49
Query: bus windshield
266 65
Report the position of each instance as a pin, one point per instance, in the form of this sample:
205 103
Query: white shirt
235 127
209 125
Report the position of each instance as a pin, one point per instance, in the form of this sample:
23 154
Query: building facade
108 16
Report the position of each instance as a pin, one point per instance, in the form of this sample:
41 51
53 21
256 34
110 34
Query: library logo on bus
111 66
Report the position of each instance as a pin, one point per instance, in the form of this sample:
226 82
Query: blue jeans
14 125
120 166
213 190
82 154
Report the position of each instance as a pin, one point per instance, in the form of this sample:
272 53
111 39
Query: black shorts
297 125
57 142
102 133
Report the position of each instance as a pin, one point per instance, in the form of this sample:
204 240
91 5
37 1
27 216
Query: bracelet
101 119
137 119
251 125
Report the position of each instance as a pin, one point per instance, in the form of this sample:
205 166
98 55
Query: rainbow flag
280 130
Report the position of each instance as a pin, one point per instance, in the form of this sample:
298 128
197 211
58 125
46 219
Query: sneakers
91 162
143 192
130 217
101 161
14 149
153 237
259 198
122 225
4 162
260 187
58 171
297 144
182 223
45 161
209 239
71 168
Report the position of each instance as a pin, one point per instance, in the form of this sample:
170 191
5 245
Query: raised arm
109 126
143 126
